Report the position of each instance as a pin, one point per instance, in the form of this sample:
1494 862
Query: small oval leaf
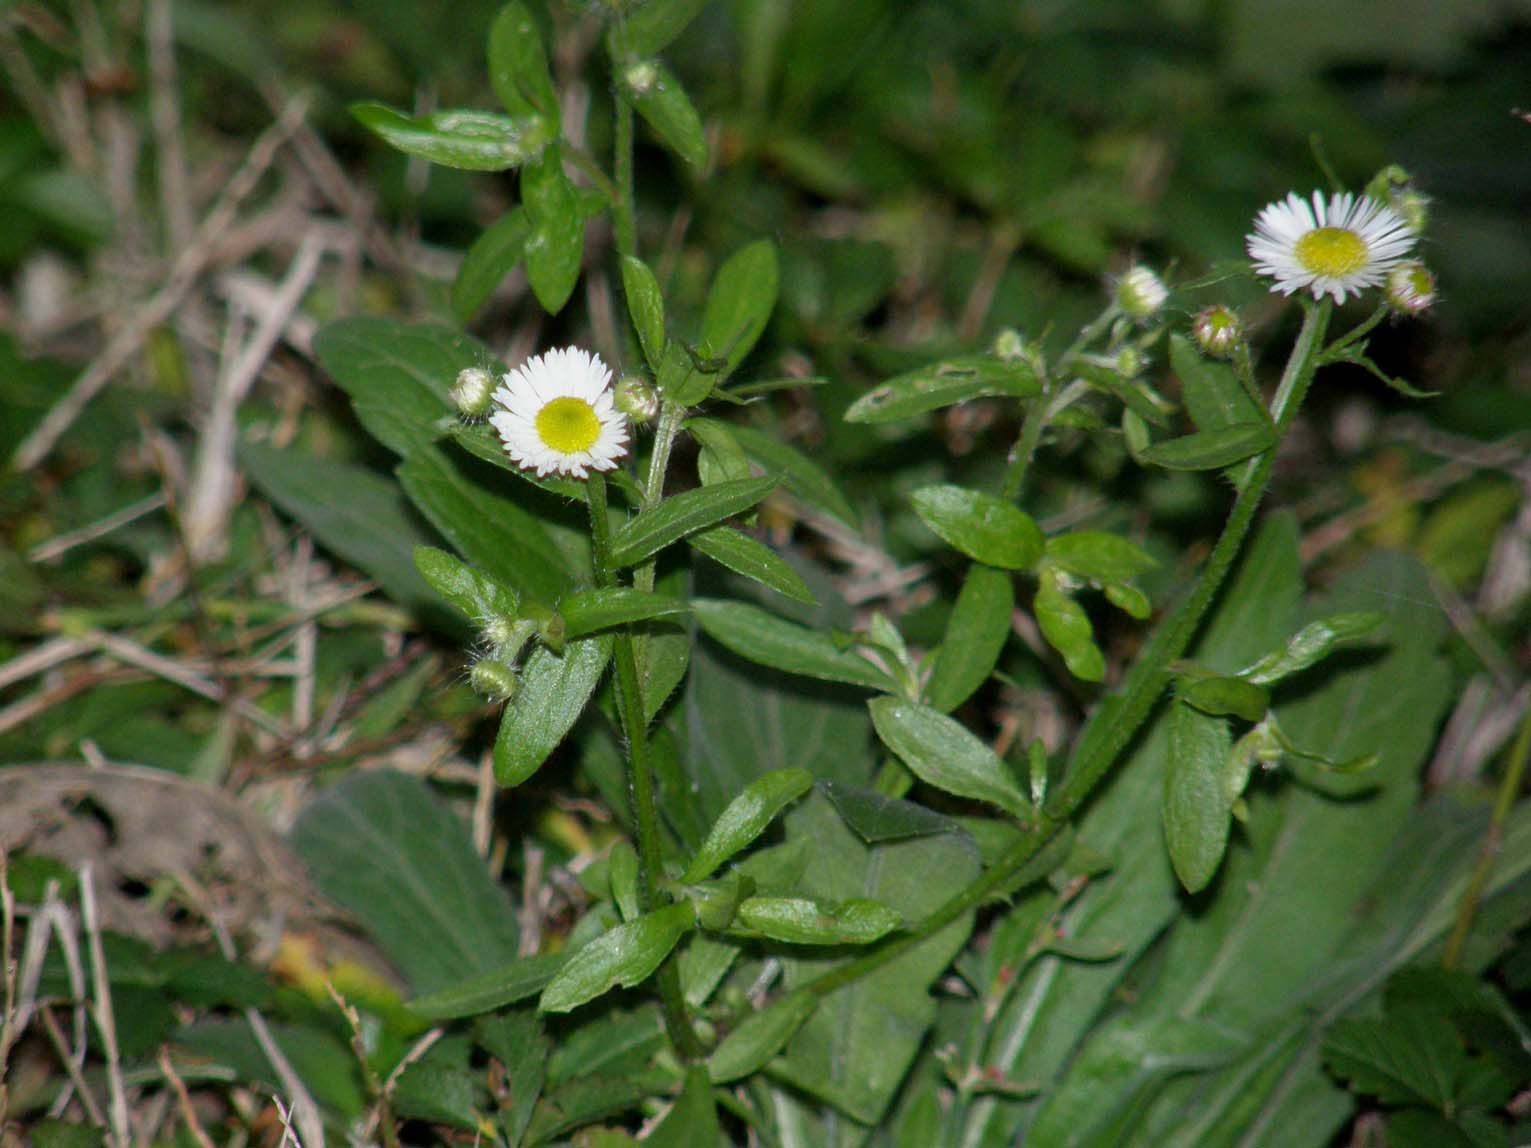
461 138
942 753
1197 810
746 818
683 514
801 921
759 1037
646 306
762 637
754 560
981 526
976 633
626 955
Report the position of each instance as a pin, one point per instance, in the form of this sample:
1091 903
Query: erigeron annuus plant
766 956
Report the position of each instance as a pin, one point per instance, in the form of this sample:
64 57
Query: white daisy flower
556 414
1334 246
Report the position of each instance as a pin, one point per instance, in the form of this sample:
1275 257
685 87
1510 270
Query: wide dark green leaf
495 254
381 845
975 636
942 385
763 637
551 694
754 560
941 752
461 138
1209 450
759 1037
1410 1056
1213 395
985 528
683 514
480 598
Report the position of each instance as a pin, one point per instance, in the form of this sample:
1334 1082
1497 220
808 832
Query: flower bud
1009 345
641 77
1217 331
1130 362
473 393
493 679
1410 288
636 399
1140 293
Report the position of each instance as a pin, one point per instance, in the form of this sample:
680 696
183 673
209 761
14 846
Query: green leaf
649 27
1310 645
1220 696
739 305
381 845
518 65
490 990
801 921
942 753
551 695
590 610
763 637
1214 397
721 458
480 597
320 1059
1067 629
942 385
1410 1056
759 1037
556 243
1209 450
683 514
625 955
981 526
484 443
662 102
692 1121
754 560
1197 809
804 477
460 138
646 306
876 818
494 254
1098 557
975 636
51 1133
746 818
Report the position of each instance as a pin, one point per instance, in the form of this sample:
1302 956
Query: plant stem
1117 720
1033 425
623 217
1509 790
640 776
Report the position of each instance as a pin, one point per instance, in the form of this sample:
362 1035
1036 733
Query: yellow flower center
1332 251
568 425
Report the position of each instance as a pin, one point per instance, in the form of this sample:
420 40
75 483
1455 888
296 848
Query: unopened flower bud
1140 293
636 399
1130 362
1410 288
493 679
473 392
1217 331
641 77
1414 206
1009 345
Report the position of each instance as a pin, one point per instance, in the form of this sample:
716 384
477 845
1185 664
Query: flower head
1332 246
1217 330
556 414
1411 287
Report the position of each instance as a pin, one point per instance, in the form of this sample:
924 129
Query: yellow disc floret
568 425
1332 251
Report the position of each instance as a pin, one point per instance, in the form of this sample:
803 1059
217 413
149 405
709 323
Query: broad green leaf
518 65
975 636
460 138
721 458
625 955
802 921
495 254
587 611
1067 628
665 107
876 818
556 243
763 637
683 514
942 753
759 1037
1220 696
646 306
944 384
1098 556
692 1121
1213 395
490 990
1310 645
804 477
1209 450
985 528
484 443
1409 1056
479 597
583 1101
739 305
663 656
552 694
1197 809
649 27
754 560
382 846
746 818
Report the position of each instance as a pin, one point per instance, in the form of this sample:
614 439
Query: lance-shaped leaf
976 633
983 527
1067 628
1098 556
721 458
1222 696
1209 450
460 138
759 1037
692 1121
683 514
942 385
1213 395
626 955
518 64
801 921
755 560
739 305
762 637
494 254
556 243
552 693
1197 808
475 593
591 610
649 27
804 477
646 306
665 107
491 990
942 753
1314 642
746 818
